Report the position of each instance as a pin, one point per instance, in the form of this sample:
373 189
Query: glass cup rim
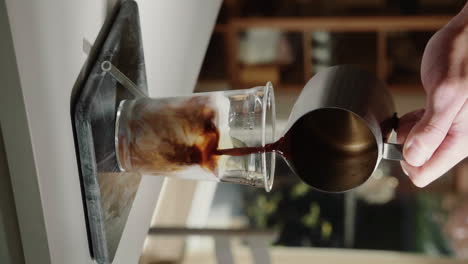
268 96
116 133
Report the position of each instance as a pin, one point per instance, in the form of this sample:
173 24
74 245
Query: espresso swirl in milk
169 137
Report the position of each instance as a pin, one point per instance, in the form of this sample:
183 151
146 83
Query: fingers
449 153
452 150
427 135
406 123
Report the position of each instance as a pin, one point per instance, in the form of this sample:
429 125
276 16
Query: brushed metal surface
350 116
108 193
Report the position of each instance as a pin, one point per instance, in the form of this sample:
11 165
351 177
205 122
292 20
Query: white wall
47 37
17 145
11 250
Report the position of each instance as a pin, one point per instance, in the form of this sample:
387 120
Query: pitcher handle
392 151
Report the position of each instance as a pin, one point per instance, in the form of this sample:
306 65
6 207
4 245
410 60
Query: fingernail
415 176
404 170
414 155
420 181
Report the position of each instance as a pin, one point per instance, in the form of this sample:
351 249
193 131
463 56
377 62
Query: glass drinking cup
181 136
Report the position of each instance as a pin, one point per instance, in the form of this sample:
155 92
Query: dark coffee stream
297 146
320 152
279 147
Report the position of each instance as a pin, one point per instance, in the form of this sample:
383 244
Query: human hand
436 138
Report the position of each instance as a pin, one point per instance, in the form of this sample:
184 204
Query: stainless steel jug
353 115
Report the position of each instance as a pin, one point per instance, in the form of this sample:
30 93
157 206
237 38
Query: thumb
427 135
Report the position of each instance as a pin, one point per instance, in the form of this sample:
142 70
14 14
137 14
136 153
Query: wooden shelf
342 24
276 86
381 25
395 88
221 84
221 28
407 88
268 64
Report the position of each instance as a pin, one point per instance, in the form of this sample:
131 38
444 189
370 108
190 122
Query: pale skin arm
436 138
